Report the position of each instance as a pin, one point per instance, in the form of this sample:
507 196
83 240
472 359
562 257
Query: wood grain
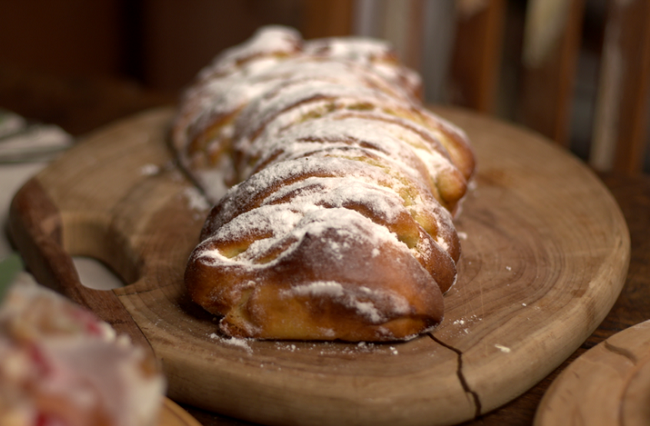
544 259
607 385
632 306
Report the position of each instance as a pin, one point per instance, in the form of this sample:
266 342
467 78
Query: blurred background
576 71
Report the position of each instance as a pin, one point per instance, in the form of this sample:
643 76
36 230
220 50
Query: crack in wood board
461 377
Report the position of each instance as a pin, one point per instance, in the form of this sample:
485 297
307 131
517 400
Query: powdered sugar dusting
270 40
363 302
321 145
320 288
195 199
282 223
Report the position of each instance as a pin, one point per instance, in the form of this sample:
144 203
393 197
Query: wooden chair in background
547 50
516 59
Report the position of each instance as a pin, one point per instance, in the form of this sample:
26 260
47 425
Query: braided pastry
334 191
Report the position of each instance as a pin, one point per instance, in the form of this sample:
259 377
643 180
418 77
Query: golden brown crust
308 294
340 224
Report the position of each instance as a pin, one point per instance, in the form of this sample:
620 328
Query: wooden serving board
173 415
609 385
545 254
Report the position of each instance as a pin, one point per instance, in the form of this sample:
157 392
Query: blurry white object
62 366
545 20
21 141
25 148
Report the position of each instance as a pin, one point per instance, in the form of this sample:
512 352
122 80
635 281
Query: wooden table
80 105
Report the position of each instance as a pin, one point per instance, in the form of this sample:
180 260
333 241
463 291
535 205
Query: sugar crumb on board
149 169
336 348
233 341
469 319
323 348
291 347
464 324
502 348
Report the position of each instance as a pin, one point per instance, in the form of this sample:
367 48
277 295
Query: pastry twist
334 191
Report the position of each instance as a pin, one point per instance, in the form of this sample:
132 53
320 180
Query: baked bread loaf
334 191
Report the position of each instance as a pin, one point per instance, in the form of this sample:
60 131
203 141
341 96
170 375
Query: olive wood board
609 385
171 414
545 254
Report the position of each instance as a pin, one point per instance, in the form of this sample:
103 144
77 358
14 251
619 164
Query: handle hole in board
95 274
103 257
